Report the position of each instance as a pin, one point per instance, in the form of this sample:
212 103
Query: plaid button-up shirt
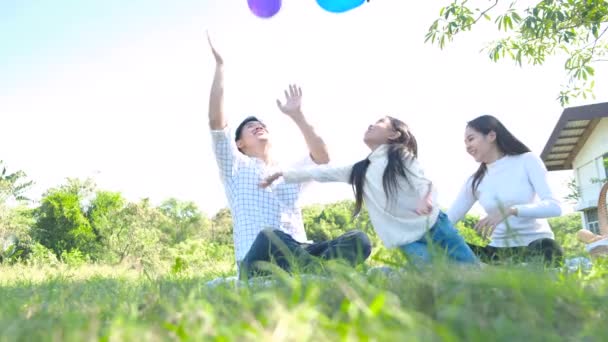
253 208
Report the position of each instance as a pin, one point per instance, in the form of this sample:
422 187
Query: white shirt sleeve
226 153
463 203
548 206
319 173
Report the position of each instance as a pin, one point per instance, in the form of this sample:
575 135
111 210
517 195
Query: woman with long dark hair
511 186
398 197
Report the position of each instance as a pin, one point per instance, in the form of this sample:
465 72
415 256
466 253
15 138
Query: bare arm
293 109
316 145
217 120
224 148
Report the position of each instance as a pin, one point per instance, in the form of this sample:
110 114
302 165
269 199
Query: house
579 142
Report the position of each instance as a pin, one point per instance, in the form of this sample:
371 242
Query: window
592 220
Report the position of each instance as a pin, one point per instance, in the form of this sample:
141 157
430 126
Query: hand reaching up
218 58
293 101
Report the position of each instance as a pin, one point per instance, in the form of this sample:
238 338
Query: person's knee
363 243
416 253
445 230
548 249
269 232
271 235
262 240
552 250
261 248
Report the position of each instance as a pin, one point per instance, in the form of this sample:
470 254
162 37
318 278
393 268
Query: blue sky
118 90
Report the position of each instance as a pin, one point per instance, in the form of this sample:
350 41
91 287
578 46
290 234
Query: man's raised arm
224 148
217 119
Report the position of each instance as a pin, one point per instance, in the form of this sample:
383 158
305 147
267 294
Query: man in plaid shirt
268 221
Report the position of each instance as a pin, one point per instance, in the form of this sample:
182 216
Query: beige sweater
395 221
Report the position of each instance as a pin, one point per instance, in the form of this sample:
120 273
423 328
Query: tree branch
597 39
484 12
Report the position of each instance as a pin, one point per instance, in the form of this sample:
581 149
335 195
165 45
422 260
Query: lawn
442 302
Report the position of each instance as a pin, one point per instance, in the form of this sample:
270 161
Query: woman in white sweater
511 186
397 195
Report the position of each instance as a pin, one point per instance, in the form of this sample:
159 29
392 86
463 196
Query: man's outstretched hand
218 58
293 101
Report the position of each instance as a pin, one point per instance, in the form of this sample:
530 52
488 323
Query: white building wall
588 165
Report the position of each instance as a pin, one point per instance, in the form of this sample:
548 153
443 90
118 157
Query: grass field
447 303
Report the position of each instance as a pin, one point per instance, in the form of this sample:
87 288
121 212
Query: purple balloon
264 8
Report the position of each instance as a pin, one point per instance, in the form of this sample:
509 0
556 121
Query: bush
565 229
200 256
40 255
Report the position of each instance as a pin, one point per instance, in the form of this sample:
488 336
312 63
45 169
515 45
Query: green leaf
508 23
595 32
377 304
516 17
499 20
518 57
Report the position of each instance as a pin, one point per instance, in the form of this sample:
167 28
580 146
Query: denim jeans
278 247
545 250
442 237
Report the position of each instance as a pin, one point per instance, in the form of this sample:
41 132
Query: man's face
252 134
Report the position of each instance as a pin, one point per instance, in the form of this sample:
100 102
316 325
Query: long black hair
398 150
506 142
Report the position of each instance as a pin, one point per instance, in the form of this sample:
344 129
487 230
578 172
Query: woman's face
379 133
480 146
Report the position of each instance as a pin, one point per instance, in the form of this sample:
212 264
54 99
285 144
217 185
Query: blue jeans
274 245
444 235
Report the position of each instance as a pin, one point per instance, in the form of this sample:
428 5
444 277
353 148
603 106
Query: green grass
444 303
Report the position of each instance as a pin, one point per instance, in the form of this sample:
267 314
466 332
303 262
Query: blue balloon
339 6
264 8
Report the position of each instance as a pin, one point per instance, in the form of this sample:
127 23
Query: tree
15 221
12 185
533 33
136 233
61 223
104 214
221 228
184 220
